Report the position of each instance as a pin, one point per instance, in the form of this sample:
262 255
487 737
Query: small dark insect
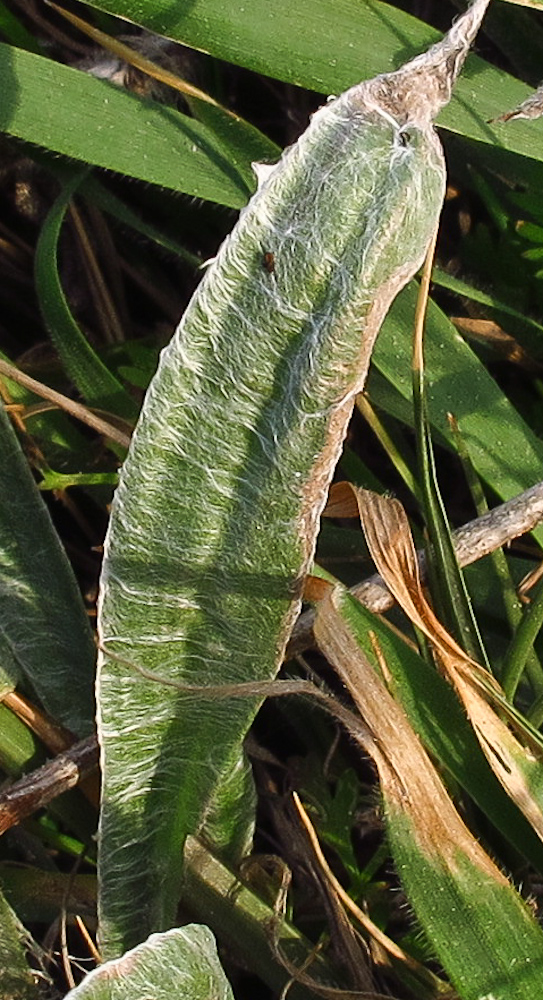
269 262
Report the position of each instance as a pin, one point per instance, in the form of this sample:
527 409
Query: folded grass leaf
214 522
455 889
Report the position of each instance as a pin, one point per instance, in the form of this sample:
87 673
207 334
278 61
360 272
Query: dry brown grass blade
410 784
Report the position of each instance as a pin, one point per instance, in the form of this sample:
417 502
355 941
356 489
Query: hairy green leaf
183 962
214 522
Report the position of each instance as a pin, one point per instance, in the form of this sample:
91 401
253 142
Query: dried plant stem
77 410
35 790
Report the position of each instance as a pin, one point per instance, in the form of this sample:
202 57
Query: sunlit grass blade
453 886
242 141
298 46
123 132
457 382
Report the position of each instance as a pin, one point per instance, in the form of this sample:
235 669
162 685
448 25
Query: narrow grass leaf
43 620
97 385
182 962
15 32
497 570
454 887
484 298
522 645
452 594
122 132
215 519
244 923
506 453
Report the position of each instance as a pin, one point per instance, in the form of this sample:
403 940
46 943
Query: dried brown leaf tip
531 108
516 766
316 589
341 502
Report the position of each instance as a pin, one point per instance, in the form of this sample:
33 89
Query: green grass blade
504 450
97 385
183 962
214 522
244 923
295 43
499 569
19 748
14 31
122 132
101 196
452 596
44 621
523 643
454 888
465 290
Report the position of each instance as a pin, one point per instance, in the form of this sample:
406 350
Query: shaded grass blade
96 383
44 622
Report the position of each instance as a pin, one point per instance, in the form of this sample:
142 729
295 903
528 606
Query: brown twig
35 790
74 409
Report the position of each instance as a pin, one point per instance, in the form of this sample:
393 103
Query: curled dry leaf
519 768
